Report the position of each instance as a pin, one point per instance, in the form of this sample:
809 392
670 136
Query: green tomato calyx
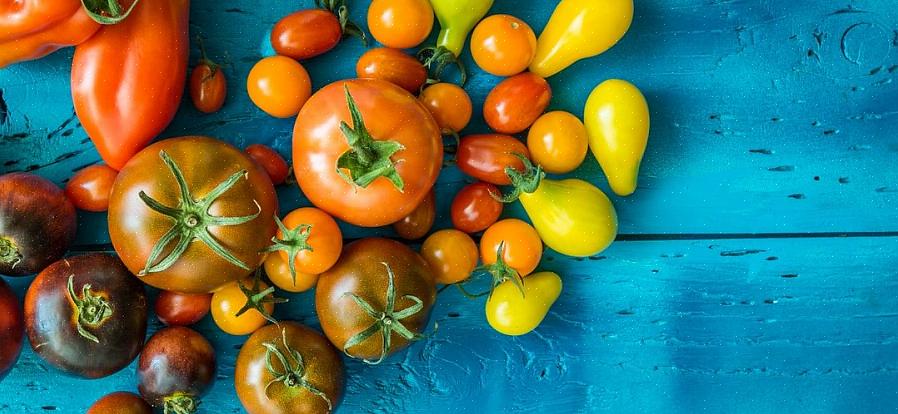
499 271
366 159
256 298
107 11
9 253
527 181
293 242
91 309
292 370
436 58
386 322
339 9
180 403
192 220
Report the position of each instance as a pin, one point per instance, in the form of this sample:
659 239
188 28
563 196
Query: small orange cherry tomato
449 104
311 238
394 66
515 103
279 86
503 45
279 274
273 163
90 187
401 24
416 225
451 254
237 297
521 246
558 142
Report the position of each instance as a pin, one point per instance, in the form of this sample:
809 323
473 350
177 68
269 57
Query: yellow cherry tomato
510 312
232 298
279 273
557 141
503 45
451 254
617 123
278 85
580 29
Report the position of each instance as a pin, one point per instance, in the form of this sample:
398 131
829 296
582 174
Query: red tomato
273 163
418 224
486 156
208 87
400 23
449 104
503 45
515 103
182 309
474 208
309 33
90 187
394 66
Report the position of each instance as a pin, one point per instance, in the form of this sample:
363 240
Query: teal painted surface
770 119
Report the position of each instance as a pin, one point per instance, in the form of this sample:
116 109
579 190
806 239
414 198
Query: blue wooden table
757 266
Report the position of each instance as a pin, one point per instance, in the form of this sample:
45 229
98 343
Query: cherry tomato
273 163
401 24
279 274
120 403
503 45
474 208
90 187
451 254
417 224
176 367
182 309
557 141
449 104
522 248
515 103
208 87
486 157
394 66
312 32
246 298
311 238
12 329
279 86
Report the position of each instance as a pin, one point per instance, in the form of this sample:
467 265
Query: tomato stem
339 9
291 374
204 60
192 220
107 11
386 321
293 242
436 58
499 271
9 253
523 182
180 403
257 298
90 310
367 159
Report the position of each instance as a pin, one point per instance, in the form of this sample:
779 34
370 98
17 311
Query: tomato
474 208
511 312
120 403
451 254
418 224
557 141
241 307
515 103
401 24
11 329
279 274
572 216
449 104
310 238
288 368
176 367
279 86
394 66
37 224
457 18
503 45
182 309
617 122
273 163
208 85
86 315
128 79
308 33
42 33
190 214
394 158
485 157
378 288
89 188
510 250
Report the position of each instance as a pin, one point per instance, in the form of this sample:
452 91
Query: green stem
527 181
90 310
293 241
436 58
256 298
366 159
180 403
9 253
499 272
339 9
293 369
204 60
107 11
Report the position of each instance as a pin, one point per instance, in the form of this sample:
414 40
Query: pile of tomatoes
366 151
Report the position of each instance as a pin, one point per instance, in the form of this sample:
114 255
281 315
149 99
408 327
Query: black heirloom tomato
37 224
287 368
177 366
120 403
11 329
376 299
86 315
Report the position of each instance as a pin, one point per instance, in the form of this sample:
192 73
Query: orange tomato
90 187
228 301
394 66
279 86
400 23
558 142
279 274
315 237
522 247
503 45
451 254
449 104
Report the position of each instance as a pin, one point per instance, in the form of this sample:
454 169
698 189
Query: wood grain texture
768 117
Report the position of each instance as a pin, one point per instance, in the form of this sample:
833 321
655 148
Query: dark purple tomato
86 315
37 224
182 309
177 366
11 329
120 403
